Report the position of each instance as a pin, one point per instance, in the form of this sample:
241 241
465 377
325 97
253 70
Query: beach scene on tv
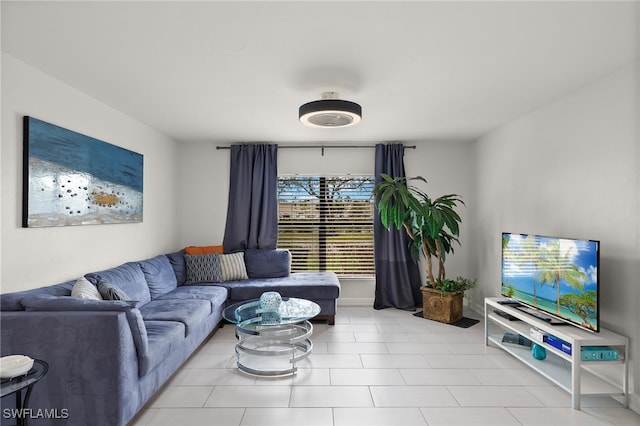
558 276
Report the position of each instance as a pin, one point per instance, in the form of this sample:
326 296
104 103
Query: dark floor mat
462 323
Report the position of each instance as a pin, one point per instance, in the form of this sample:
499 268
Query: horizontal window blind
327 223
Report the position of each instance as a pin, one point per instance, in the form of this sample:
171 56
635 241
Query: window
327 223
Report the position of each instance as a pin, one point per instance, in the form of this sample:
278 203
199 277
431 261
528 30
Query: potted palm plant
433 228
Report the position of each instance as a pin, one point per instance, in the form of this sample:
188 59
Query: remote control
506 315
508 302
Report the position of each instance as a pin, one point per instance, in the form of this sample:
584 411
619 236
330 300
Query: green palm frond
430 222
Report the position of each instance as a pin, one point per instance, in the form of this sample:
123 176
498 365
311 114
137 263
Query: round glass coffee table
15 385
271 342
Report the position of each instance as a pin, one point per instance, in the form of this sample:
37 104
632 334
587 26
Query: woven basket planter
440 307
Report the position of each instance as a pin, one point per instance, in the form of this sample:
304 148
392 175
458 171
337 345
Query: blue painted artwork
73 179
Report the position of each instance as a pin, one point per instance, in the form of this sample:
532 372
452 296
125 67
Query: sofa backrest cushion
265 263
11 301
63 303
159 275
179 266
128 277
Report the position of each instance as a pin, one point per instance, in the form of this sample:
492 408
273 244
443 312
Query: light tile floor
375 368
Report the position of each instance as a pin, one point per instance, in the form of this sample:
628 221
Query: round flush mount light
330 112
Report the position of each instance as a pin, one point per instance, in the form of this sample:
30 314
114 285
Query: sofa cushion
11 301
128 277
233 267
164 339
179 266
67 303
204 250
190 312
305 285
159 275
203 268
83 289
262 263
215 294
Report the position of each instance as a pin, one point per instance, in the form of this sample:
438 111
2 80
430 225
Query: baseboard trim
355 301
365 301
634 402
479 309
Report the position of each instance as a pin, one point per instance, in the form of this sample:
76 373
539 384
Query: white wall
32 257
449 169
569 169
204 188
203 194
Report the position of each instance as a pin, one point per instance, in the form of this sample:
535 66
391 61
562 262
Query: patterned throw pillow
233 267
203 268
111 292
83 289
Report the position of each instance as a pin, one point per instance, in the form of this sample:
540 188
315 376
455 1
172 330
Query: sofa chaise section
321 287
269 270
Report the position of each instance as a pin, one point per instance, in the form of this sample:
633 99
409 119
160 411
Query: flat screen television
555 279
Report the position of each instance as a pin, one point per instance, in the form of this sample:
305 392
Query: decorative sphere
538 352
270 301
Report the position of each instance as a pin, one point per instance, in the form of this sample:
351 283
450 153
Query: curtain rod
322 147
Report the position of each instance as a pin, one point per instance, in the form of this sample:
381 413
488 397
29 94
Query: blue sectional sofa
107 358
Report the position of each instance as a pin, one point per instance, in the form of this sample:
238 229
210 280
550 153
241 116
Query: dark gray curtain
397 275
252 214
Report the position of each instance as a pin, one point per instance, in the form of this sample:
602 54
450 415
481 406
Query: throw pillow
233 267
109 291
83 289
203 268
204 250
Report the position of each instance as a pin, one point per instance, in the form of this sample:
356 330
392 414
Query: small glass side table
16 385
270 343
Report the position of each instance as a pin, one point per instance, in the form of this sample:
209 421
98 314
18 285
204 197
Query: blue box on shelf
598 353
558 344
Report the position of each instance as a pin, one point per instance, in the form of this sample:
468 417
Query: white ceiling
238 71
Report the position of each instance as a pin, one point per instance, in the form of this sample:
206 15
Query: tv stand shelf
569 372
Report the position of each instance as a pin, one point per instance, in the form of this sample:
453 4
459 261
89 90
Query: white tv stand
567 371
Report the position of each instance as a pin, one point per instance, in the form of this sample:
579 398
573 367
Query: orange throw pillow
204 250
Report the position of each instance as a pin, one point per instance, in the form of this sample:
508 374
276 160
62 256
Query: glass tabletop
11 385
290 311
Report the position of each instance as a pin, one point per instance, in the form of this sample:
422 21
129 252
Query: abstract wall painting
73 179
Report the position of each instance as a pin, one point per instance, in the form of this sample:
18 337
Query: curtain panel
397 275
252 213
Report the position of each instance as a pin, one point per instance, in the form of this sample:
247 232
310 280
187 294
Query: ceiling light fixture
330 112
